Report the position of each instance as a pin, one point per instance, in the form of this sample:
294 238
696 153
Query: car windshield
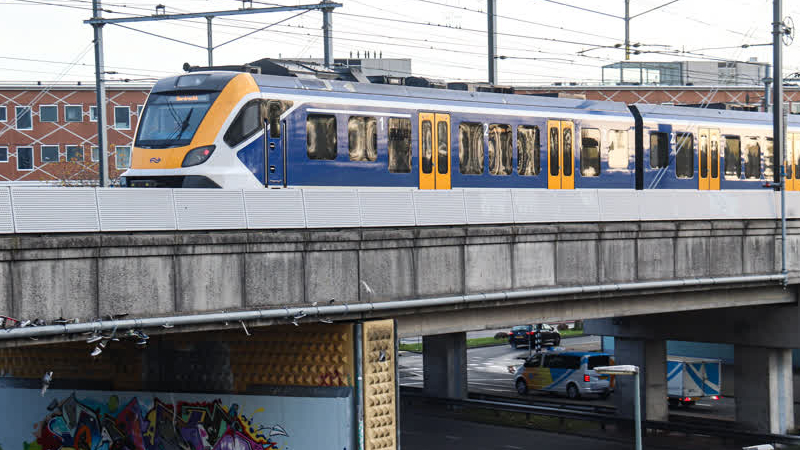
598 361
171 120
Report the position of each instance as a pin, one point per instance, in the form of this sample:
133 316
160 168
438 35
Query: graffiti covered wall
98 420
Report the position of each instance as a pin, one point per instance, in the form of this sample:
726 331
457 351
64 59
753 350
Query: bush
501 335
578 324
562 327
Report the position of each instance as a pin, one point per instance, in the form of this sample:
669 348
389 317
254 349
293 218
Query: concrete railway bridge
270 310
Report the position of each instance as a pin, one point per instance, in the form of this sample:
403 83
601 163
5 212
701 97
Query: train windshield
170 120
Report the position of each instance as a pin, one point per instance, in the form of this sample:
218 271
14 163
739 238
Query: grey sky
541 39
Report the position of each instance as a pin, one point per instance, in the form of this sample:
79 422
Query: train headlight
198 155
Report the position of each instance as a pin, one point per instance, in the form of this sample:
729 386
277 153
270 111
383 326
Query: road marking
453 438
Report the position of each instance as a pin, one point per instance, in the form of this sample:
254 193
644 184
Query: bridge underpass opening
281 387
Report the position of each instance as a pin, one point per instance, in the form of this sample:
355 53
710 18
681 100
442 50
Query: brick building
48 134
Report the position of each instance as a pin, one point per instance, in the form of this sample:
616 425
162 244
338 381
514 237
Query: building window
75 153
48 113
139 112
23 118
733 158
618 149
49 153
73 113
500 152
399 145
659 150
470 148
95 153
3 114
3 154
24 158
752 158
362 137
123 156
122 118
93 114
590 152
321 136
684 156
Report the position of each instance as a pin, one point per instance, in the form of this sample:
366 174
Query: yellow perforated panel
119 365
309 355
380 419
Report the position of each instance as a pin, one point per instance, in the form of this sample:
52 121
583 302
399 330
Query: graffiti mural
130 424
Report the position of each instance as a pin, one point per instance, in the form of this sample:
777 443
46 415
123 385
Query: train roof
443 95
667 112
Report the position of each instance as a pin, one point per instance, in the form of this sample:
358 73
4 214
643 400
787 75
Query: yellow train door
560 154
713 156
442 139
708 158
791 161
434 151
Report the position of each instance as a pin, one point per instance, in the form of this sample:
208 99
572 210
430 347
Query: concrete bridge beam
444 361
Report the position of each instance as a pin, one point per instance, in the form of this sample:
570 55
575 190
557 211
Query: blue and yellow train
244 131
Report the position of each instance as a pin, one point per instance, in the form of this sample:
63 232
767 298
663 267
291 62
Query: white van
570 373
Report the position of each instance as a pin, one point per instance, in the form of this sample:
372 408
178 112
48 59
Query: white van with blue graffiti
570 373
690 379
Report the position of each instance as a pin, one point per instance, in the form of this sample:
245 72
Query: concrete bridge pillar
444 360
764 390
651 358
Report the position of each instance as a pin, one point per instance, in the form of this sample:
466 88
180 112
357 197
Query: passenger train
245 131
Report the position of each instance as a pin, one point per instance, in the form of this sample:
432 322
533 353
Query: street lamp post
637 415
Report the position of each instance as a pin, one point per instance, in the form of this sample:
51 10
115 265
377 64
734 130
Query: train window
703 154
442 135
500 152
684 156
768 160
733 158
426 153
567 151
321 136
618 149
590 152
659 150
752 158
715 156
553 155
528 150
246 124
470 148
273 114
362 136
399 145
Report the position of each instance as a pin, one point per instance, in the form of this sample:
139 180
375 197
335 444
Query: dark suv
523 334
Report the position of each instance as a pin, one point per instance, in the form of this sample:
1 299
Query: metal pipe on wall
345 309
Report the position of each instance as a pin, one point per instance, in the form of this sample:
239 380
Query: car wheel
604 395
514 345
674 402
522 387
572 392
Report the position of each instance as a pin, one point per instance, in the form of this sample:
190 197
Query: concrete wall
146 274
